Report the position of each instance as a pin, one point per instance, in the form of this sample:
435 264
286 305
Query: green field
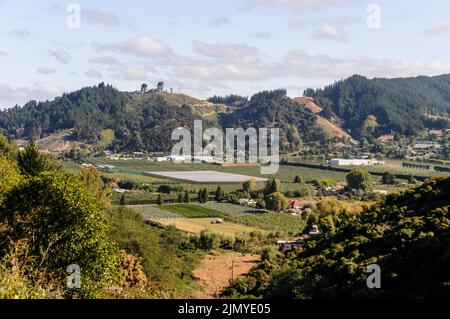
278 222
153 212
231 209
197 225
133 170
192 211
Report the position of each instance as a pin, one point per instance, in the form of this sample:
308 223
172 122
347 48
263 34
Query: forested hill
408 236
135 121
379 106
102 115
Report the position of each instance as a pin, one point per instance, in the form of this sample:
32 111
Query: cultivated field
196 225
231 209
192 211
152 212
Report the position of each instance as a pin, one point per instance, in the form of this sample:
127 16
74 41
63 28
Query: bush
276 202
207 240
62 224
360 179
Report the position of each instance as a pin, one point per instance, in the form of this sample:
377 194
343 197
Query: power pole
232 270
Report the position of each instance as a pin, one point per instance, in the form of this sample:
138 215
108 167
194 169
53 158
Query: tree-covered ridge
408 236
274 109
91 110
379 106
145 121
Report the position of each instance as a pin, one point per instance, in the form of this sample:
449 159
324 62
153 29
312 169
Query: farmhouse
295 204
355 162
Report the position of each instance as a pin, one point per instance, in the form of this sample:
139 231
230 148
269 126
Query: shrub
276 202
62 224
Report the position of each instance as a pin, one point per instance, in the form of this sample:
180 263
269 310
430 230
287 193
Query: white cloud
104 60
20 33
227 52
10 96
221 73
300 5
331 32
3 53
220 21
98 16
442 27
46 70
61 56
142 46
132 74
260 35
93 73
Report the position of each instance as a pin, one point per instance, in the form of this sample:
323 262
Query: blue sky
207 47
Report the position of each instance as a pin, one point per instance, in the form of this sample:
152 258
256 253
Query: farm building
295 204
355 162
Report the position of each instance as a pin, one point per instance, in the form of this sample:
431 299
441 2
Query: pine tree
219 194
187 197
32 163
123 200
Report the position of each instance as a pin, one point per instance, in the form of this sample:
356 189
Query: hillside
104 117
379 106
408 236
331 128
274 109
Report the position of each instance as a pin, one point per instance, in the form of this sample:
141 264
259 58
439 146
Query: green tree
32 163
187 197
272 186
144 88
219 195
61 224
276 202
180 198
8 149
205 195
299 180
9 176
388 178
93 180
123 200
160 200
360 179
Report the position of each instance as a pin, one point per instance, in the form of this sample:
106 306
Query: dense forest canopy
406 105
407 235
144 121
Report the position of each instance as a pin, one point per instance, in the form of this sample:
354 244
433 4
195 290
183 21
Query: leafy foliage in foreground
408 236
61 224
167 266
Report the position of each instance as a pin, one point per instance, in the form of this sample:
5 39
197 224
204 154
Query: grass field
192 211
196 225
152 212
281 222
230 209
133 170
